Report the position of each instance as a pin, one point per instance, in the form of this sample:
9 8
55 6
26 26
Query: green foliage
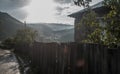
84 3
95 36
112 23
110 33
7 43
91 27
25 36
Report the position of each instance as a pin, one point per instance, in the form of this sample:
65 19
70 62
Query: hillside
53 32
48 32
8 25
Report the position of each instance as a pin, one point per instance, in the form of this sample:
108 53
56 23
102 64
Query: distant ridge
8 25
48 32
54 32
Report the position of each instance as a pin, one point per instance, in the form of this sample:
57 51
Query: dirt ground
8 63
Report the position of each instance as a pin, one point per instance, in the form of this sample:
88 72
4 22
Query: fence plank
73 58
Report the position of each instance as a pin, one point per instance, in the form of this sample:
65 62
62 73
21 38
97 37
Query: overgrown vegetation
23 36
84 3
110 33
91 27
112 20
7 43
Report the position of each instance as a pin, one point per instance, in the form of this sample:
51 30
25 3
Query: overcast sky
35 11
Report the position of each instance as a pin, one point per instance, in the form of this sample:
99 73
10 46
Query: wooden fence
73 58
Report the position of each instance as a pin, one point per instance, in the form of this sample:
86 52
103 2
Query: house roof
99 7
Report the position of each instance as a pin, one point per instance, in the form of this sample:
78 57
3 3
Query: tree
25 36
7 43
89 25
112 20
84 3
111 35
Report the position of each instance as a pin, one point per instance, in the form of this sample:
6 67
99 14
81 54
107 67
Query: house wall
80 34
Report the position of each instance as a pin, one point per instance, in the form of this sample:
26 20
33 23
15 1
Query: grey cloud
18 14
14 8
63 1
64 4
60 9
12 4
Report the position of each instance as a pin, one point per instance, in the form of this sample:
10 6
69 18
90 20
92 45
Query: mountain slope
8 25
48 32
53 32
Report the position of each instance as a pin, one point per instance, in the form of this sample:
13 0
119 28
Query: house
99 8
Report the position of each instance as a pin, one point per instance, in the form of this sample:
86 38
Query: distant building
99 8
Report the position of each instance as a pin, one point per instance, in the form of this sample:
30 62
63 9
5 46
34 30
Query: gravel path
8 63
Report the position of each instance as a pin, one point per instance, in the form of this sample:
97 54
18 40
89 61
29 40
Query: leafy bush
7 43
25 36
